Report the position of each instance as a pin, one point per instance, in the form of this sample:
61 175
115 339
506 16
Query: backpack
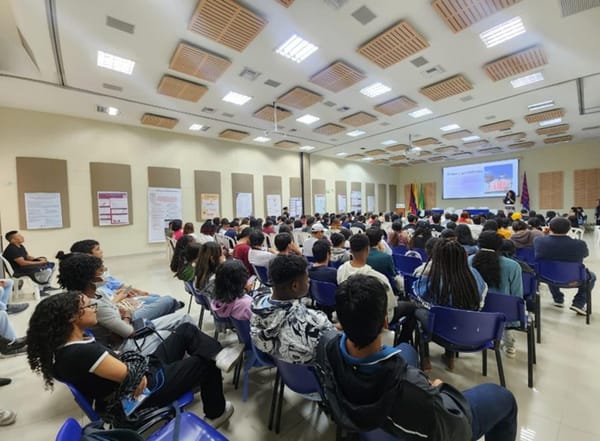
186 272
95 432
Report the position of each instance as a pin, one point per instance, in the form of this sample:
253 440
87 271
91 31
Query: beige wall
81 141
565 157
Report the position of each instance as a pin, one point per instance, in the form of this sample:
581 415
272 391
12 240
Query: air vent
419 61
335 4
570 7
249 74
204 128
591 128
208 110
363 15
433 71
489 117
385 123
119 25
343 109
329 103
467 98
112 87
272 83
228 115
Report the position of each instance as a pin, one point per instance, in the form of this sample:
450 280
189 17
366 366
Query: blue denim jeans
579 299
494 411
157 307
5 293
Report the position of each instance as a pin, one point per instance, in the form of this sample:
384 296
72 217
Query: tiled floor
563 406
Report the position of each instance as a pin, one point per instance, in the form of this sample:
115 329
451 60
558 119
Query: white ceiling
68 33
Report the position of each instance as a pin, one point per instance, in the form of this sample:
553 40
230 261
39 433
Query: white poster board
43 210
341 199
320 203
370 203
243 204
164 204
113 208
295 207
273 205
355 201
209 205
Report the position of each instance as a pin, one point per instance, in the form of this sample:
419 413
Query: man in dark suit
558 246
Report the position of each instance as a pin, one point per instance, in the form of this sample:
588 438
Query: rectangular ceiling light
307 148
112 111
236 98
526 80
308 119
355 133
419 113
450 127
541 105
375 90
368 158
195 127
341 154
470 138
550 122
296 49
502 32
390 142
112 62
261 139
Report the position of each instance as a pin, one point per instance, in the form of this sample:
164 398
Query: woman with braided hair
59 348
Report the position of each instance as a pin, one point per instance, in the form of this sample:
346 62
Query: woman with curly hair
84 273
209 258
59 348
230 293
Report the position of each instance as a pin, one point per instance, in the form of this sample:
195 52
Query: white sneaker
220 420
7 417
510 352
229 356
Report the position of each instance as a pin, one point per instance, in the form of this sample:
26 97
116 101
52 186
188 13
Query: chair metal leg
588 310
279 406
190 304
538 317
500 367
273 400
201 317
530 355
484 363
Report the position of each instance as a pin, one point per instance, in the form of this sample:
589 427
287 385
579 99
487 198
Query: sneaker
17 347
510 352
559 304
7 417
15 308
220 420
5 381
579 310
229 356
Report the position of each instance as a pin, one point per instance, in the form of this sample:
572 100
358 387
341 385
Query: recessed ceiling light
113 62
419 113
112 111
389 142
368 158
356 132
502 32
236 98
261 139
526 80
195 127
541 105
375 90
296 49
341 154
470 138
550 122
449 127
308 119
307 148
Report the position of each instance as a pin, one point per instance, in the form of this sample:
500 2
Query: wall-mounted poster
43 210
370 203
295 207
320 203
113 208
209 205
341 203
273 205
164 204
243 203
355 201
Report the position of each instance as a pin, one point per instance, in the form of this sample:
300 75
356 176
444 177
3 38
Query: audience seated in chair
378 259
257 255
320 269
284 244
316 233
6 290
339 253
230 295
522 235
376 386
209 259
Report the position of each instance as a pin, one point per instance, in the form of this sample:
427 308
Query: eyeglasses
92 305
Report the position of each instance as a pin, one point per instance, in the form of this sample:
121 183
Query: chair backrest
242 328
323 292
198 296
526 255
356 230
467 329
567 274
530 285
83 403
512 307
405 264
300 237
409 280
300 378
576 233
7 266
263 274
336 264
190 428
399 249
69 431
422 252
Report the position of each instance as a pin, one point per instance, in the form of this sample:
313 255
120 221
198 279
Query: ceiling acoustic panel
226 22
380 161
375 152
446 88
425 141
400 164
517 63
393 45
266 113
436 158
198 62
150 119
235 135
396 105
512 137
358 119
557 139
545 115
553 130
460 14
356 156
397 148
337 76
329 129
398 158
446 149
182 89
287 144
457 135
417 161
476 144
488 150
286 3
495 126
299 98
521 145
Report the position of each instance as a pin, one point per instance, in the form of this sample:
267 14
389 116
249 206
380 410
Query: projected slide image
498 178
480 180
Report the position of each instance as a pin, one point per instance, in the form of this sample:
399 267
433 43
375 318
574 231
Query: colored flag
421 203
412 206
525 193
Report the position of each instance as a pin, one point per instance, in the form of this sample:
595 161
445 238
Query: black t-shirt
13 252
323 274
75 363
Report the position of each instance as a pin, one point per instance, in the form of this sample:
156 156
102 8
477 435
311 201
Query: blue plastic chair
336 264
191 290
514 310
409 281
221 323
262 273
526 255
400 249
532 299
71 430
422 252
566 275
459 330
323 293
251 358
405 264
300 378
378 435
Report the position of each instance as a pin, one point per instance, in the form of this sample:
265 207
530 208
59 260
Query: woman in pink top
230 298
176 228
